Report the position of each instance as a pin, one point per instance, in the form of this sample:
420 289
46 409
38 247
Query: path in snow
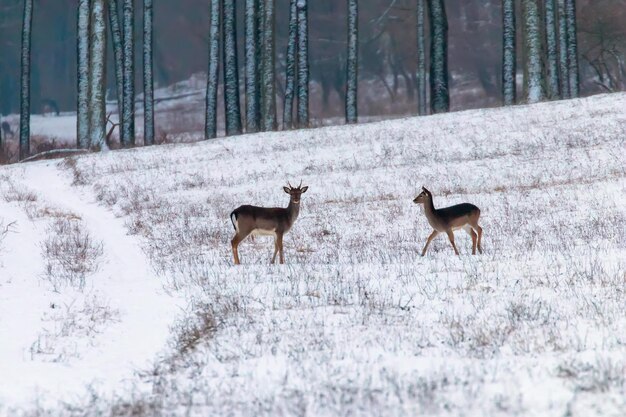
124 281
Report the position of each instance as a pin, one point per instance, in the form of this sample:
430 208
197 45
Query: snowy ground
355 323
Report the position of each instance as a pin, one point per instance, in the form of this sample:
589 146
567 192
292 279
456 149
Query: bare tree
148 73
421 58
353 62
303 64
290 72
231 69
84 17
439 88
27 21
533 68
97 77
509 64
128 119
210 130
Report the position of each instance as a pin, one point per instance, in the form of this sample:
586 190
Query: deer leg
275 250
474 236
451 237
235 244
279 240
479 232
430 238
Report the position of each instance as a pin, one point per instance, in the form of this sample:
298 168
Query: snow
356 322
125 281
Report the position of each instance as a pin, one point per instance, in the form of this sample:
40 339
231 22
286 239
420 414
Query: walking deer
447 220
253 220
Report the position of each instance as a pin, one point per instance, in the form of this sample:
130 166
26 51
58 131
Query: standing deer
266 221
447 220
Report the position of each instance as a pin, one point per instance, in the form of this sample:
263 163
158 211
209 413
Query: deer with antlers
276 221
447 220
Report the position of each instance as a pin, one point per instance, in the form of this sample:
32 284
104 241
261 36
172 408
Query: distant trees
231 70
268 87
118 55
572 48
27 21
82 135
290 72
551 49
127 124
148 77
97 79
210 129
252 65
353 62
563 42
303 64
533 66
439 90
509 61
421 58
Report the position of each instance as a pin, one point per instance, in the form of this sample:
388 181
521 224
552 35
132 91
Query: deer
447 220
264 221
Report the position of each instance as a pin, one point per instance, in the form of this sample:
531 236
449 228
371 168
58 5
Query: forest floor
118 295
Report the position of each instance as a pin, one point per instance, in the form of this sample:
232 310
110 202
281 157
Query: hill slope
356 322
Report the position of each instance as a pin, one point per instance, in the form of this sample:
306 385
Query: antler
299 186
289 184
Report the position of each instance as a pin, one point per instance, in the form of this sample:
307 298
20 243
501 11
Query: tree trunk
260 53
572 48
563 63
82 123
25 80
422 108
303 64
552 49
231 70
252 66
128 120
439 90
290 72
268 117
97 78
509 64
210 130
148 74
533 69
116 39
353 62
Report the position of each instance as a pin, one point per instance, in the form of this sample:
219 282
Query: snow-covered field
148 316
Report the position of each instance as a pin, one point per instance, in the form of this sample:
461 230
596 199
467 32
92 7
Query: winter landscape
119 295
141 141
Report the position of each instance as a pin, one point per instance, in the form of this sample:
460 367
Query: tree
509 65
231 70
533 69
210 129
252 66
118 56
303 64
563 42
268 110
148 77
27 21
421 58
82 131
552 49
290 72
572 48
353 63
97 77
439 90
128 39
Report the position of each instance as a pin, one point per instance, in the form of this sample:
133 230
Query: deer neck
429 210
293 209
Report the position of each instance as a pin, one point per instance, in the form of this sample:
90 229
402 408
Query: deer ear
304 189
285 189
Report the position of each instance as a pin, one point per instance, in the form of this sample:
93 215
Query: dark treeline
386 35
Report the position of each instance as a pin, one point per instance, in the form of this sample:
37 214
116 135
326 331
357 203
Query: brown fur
446 220
274 221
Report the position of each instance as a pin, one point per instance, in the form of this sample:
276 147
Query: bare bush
70 254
